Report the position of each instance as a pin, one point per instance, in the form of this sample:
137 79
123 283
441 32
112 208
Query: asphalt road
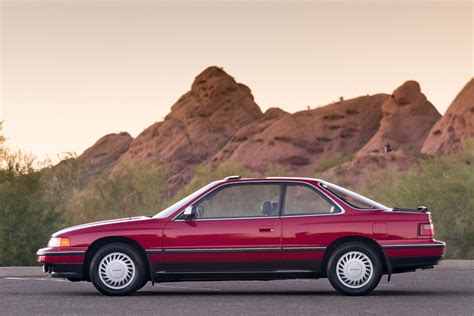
419 293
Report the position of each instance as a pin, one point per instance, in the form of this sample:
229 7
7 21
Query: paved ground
419 293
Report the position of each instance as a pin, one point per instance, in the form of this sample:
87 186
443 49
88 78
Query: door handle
266 230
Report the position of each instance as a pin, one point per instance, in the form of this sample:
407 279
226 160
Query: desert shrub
333 127
27 217
137 190
352 112
277 170
445 184
333 117
2 141
324 139
334 160
207 173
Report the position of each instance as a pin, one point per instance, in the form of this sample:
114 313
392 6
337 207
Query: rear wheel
117 269
354 269
145 281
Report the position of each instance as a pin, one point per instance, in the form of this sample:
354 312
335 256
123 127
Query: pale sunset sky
73 71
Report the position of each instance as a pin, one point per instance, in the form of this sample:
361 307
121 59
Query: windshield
352 198
176 206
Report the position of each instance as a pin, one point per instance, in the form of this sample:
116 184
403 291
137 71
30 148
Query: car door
308 222
236 229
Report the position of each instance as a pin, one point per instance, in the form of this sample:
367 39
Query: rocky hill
103 155
200 123
218 121
455 125
407 117
301 140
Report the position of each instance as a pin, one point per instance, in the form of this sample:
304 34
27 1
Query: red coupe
250 229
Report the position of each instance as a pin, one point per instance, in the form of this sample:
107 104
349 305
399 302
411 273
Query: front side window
301 199
242 200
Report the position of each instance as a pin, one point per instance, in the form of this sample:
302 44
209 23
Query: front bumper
70 271
63 263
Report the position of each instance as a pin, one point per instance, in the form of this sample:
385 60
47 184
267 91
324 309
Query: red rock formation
200 123
218 121
104 153
302 139
456 124
407 117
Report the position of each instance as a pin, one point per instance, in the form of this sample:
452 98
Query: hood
100 223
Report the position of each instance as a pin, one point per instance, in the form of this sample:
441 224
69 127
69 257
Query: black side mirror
190 212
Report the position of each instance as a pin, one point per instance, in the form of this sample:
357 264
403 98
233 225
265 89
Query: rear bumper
409 257
413 263
61 263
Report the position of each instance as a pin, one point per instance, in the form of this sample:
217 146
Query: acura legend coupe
250 229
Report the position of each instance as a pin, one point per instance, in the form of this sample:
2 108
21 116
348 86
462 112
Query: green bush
137 190
207 173
27 218
352 112
333 117
334 160
445 184
2 140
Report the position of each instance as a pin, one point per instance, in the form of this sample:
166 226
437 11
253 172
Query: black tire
145 281
135 282
341 282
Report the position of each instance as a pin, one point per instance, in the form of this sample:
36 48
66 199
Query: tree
27 218
2 141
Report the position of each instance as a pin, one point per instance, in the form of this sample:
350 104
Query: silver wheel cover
354 269
117 270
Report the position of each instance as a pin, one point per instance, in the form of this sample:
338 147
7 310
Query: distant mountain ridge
218 121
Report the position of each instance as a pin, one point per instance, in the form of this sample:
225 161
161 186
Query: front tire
117 269
354 269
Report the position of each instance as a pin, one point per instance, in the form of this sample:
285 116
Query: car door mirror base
189 212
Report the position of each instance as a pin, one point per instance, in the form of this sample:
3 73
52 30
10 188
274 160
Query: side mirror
190 212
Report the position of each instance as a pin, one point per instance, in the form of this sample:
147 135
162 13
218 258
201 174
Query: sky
73 71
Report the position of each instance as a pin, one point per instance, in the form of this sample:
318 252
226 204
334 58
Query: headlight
59 242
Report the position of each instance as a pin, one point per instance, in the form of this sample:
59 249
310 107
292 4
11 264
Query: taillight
425 230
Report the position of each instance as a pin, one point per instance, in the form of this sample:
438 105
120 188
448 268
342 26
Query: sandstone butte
218 121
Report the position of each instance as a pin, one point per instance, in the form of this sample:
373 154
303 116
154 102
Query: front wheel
354 269
117 269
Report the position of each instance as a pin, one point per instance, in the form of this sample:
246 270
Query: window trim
271 181
316 191
216 190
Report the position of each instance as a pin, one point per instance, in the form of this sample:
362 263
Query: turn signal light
59 242
425 230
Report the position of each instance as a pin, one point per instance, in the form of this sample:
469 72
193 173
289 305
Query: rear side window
301 199
244 200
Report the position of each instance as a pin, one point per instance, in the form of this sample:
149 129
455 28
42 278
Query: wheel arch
347 239
99 243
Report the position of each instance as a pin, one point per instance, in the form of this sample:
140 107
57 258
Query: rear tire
354 269
145 281
117 269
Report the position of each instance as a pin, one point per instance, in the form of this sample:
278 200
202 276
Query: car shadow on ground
381 293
